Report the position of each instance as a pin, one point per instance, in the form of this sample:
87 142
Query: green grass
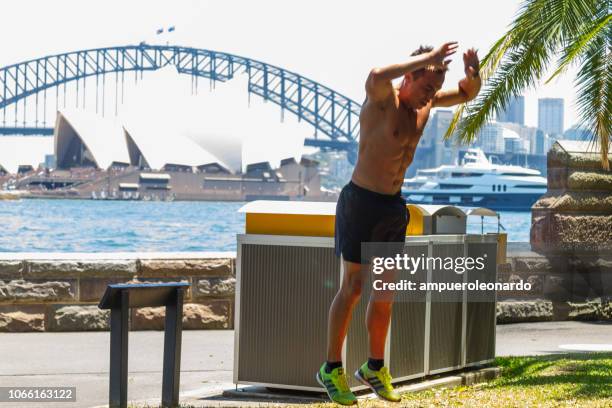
568 380
561 380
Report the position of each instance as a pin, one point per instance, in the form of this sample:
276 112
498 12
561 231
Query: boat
476 182
11 194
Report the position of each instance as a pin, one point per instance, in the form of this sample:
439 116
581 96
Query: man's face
417 93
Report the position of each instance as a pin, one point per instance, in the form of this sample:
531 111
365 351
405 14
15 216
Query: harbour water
126 226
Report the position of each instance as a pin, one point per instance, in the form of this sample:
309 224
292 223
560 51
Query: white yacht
476 182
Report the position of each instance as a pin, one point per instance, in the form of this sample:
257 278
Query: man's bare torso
389 134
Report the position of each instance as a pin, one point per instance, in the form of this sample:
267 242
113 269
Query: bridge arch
330 112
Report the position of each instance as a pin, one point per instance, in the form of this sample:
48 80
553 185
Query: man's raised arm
378 84
467 88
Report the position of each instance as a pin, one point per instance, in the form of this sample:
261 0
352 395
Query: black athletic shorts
366 216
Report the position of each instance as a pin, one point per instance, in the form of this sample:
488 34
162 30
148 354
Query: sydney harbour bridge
26 86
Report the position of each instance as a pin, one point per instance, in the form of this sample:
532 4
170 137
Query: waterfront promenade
82 359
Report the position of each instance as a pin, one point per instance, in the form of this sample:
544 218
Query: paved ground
82 359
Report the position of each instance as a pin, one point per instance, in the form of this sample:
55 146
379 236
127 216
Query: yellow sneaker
336 386
379 381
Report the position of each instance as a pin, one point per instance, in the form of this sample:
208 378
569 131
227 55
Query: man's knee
382 303
351 288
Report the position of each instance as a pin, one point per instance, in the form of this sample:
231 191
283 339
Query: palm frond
521 69
578 47
488 66
594 82
519 60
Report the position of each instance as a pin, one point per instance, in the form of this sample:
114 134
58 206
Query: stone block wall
560 289
63 294
571 226
575 215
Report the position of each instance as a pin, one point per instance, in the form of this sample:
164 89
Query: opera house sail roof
218 129
82 138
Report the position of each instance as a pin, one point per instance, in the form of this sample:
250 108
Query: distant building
514 112
432 149
514 144
491 138
528 134
50 161
443 150
550 115
578 133
541 144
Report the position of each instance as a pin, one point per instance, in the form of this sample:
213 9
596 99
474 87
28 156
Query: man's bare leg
378 317
341 309
373 373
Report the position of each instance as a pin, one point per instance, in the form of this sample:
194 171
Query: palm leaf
488 65
582 41
521 69
594 82
519 59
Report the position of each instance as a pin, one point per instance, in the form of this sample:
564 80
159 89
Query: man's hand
470 85
439 56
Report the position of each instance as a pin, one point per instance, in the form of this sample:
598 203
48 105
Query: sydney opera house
145 157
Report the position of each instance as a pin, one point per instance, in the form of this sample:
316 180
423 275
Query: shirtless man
370 207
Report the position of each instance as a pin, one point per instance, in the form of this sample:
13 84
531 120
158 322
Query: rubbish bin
288 274
435 219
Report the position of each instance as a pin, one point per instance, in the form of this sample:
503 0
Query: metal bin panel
445 350
407 332
481 315
285 294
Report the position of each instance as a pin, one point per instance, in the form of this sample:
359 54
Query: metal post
172 350
119 353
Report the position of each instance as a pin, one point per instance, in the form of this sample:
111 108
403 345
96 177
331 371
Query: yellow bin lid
306 218
301 218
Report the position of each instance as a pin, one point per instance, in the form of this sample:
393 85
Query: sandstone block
91 290
24 318
214 314
557 287
79 318
579 233
211 315
524 311
36 291
215 287
537 284
584 311
589 180
80 268
11 269
185 267
597 202
531 265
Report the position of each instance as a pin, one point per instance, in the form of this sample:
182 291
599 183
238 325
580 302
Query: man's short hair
420 72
